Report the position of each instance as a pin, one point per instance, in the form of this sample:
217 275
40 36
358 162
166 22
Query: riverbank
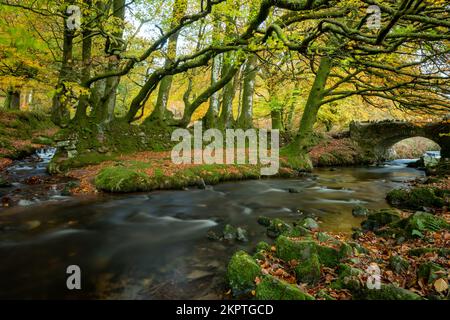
395 255
22 133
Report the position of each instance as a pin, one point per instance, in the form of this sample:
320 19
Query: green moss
271 288
309 271
380 218
430 272
390 292
416 198
302 250
348 278
420 222
443 252
42 140
398 264
262 246
120 179
241 274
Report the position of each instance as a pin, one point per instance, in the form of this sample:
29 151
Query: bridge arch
376 138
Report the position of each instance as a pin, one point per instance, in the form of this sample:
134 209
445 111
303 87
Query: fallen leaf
440 285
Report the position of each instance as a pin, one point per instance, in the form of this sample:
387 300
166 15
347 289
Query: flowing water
155 245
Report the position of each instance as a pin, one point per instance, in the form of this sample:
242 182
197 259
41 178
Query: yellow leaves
440 285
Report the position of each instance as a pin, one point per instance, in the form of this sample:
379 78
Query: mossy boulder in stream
379 219
309 270
271 288
276 227
302 250
416 198
241 273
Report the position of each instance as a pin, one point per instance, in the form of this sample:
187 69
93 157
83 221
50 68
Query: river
155 245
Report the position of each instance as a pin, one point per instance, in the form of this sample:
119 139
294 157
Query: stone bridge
376 138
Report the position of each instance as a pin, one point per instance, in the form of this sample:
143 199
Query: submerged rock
360 211
309 223
271 288
4 183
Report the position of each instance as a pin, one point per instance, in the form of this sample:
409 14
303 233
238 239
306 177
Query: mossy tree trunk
304 139
214 101
160 111
276 117
104 100
245 120
12 101
59 112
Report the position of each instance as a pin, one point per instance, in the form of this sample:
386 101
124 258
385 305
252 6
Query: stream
155 245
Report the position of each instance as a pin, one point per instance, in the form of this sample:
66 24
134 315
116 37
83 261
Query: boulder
271 288
302 250
309 270
379 219
309 223
430 272
242 272
416 198
390 292
360 211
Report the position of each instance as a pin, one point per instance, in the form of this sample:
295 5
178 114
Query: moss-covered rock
262 246
380 218
309 223
389 292
430 272
271 288
348 278
416 252
360 211
277 227
420 222
302 250
309 270
242 272
398 264
416 198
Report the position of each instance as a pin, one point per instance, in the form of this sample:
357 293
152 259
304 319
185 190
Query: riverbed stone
379 219
302 250
229 232
420 222
360 211
242 272
416 198
4 183
271 288
241 234
309 270
309 223
277 227
348 278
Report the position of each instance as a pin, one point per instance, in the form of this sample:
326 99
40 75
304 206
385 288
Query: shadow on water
155 246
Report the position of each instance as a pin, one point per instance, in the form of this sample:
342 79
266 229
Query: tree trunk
290 118
12 101
159 113
297 150
83 103
276 117
60 113
214 101
246 116
229 91
105 106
